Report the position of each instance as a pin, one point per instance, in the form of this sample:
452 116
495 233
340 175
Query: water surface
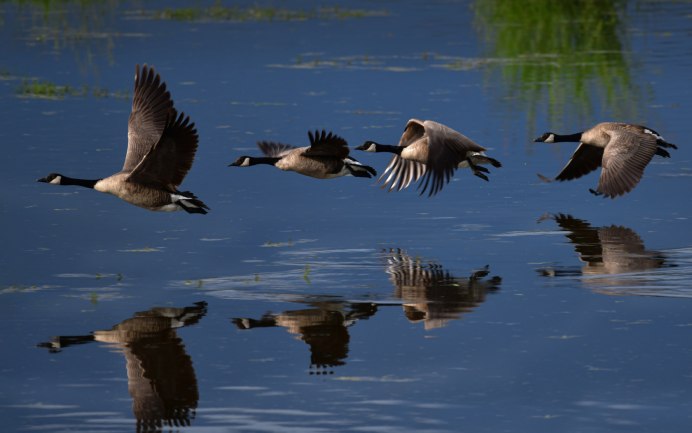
320 306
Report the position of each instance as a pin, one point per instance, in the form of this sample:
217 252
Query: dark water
318 306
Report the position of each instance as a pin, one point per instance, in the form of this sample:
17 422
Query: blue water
311 305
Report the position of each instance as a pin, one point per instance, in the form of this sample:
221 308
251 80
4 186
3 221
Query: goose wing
640 129
584 160
624 251
400 173
585 238
326 145
624 160
407 273
275 150
446 149
167 163
150 108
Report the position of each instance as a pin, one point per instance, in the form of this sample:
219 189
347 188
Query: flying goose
325 158
161 146
623 150
433 151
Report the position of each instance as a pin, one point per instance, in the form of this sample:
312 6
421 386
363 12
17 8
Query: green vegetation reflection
568 56
218 12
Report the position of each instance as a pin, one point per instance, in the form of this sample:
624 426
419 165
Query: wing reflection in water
323 327
431 294
160 376
615 258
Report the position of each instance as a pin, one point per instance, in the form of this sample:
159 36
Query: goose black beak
42 179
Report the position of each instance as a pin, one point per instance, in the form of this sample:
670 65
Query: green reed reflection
567 56
219 12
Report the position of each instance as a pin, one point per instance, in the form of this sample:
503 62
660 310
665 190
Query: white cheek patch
550 139
56 180
246 163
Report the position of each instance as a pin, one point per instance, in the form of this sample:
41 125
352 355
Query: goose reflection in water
160 376
614 256
431 294
324 328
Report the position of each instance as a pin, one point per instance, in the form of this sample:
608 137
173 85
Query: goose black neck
271 160
86 183
388 148
570 137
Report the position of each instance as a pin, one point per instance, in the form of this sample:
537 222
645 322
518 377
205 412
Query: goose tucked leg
478 170
480 158
357 169
189 202
662 152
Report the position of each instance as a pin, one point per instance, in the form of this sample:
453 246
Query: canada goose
161 146
325 158
623 150
431 150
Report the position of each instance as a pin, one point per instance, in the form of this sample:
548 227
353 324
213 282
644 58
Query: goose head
243 161
548 137
53 178
368 146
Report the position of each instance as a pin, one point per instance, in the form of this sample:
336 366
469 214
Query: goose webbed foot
594 192
481 175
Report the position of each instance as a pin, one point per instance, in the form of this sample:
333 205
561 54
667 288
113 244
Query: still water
300 305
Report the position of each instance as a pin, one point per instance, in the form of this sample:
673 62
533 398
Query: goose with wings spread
431 151
622 150
161 146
